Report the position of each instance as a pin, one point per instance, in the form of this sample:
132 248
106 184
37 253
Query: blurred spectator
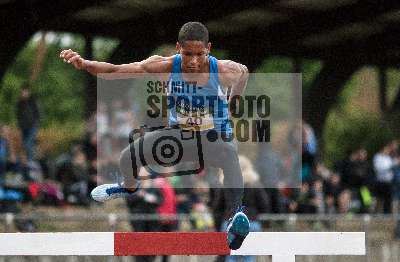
383 164
318 199
200 212
122 123
270 167
102 119
309 152
184 185
354 170
6 134
333 189
93 175
344 202
302 201
183 200
309 139
74 176
102 142
356 175
10 205
396 185
168 205
46 193
3 155
13 164
396 193
10 196
201 217
90 146
28 120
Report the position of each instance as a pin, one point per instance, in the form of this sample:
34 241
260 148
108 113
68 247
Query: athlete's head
193 46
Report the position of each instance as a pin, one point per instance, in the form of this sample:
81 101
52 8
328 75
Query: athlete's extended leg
129 165
142 152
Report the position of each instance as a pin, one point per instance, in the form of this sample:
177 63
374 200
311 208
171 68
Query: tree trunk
382 90
91 82
324 91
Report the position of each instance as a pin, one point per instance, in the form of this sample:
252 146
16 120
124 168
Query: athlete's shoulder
158 64
229 66
230 71
158 58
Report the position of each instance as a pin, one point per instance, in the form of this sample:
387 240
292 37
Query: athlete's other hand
72 57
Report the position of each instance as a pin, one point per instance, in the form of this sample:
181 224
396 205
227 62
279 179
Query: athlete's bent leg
227 159
129 164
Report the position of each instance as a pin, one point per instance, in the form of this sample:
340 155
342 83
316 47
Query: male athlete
213 77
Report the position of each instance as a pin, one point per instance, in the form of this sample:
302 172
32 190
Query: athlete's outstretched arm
153 64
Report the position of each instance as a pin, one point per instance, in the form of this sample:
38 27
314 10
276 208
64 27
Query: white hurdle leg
283 258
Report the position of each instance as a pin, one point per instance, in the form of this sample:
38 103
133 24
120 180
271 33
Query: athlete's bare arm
234 76
153 64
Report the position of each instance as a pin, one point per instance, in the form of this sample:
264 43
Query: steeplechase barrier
283 246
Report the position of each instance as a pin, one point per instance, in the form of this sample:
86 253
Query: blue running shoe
107 192
238 229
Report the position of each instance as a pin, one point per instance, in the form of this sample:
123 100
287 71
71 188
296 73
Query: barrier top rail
283 246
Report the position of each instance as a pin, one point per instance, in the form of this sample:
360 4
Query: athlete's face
194 56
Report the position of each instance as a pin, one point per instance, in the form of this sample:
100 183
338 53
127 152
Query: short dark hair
193 31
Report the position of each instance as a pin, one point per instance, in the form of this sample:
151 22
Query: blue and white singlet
204 107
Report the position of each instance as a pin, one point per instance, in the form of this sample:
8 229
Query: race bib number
196 121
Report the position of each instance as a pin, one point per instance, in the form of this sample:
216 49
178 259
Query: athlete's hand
72 57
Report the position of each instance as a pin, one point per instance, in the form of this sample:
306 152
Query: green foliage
8 98
13 79
275 65
58 88
356 122
309 69
103 48
393 80
57 138
347 132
